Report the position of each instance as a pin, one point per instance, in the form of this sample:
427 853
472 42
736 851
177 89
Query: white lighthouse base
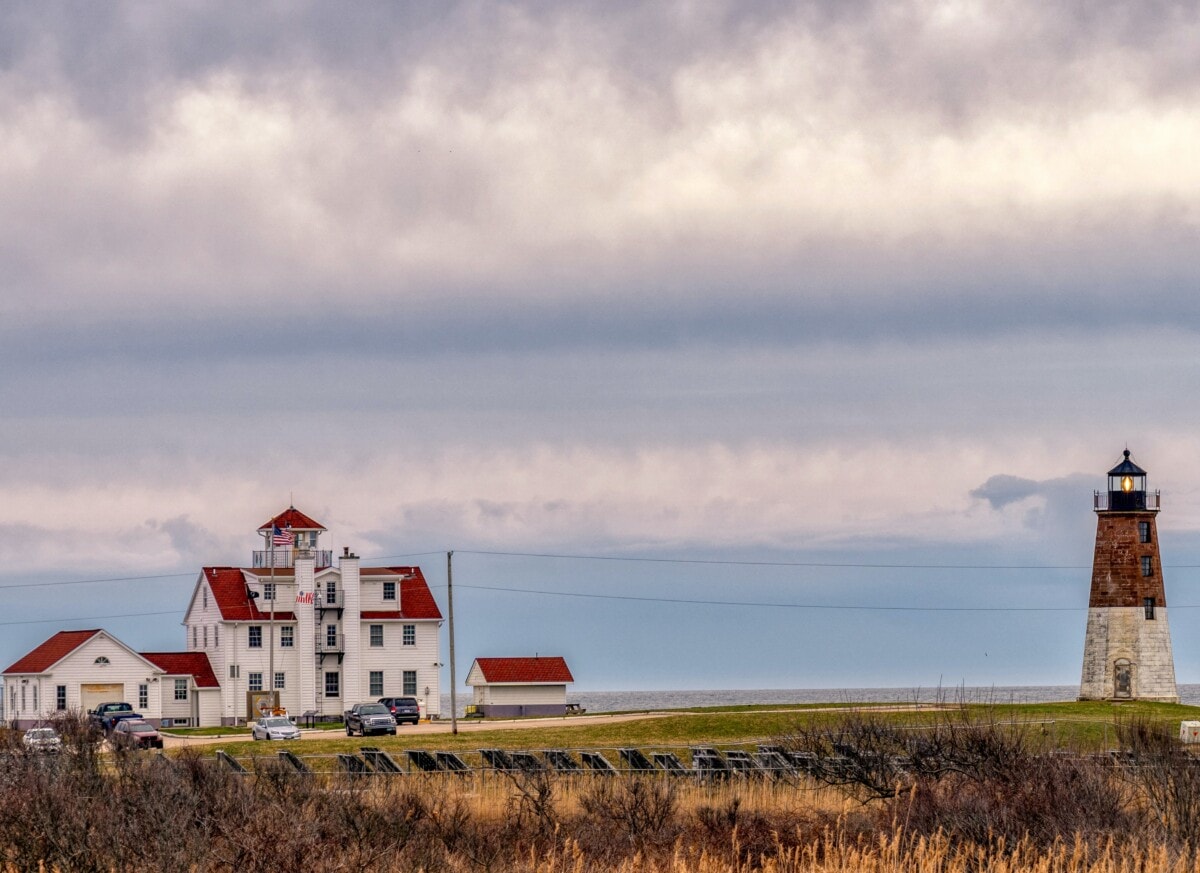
1127 656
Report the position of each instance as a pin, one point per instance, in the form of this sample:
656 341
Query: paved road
465 726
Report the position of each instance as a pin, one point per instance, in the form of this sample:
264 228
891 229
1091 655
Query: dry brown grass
1054 814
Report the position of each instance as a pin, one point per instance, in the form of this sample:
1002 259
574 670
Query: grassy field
1078 726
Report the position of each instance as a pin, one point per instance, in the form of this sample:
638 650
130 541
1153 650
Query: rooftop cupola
287 533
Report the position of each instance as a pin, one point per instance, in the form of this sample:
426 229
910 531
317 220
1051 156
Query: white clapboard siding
527 695
393 658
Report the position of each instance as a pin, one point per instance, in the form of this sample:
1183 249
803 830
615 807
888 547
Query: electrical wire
88 618
818 564
776 605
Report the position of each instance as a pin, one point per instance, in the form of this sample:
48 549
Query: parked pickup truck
369 718
104 715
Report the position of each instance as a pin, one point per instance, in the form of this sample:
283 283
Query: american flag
283 537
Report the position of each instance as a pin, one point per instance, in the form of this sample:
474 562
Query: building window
193 636
268 591
35 703
204 591
331 685
331 593
206 636
13 697
389 590
255 640
143 696
1143 531
280 681
23 687
60 697
254 681
410 682
376 683
410 635
286 637
101 661
1147 565
235 671
217 635
181 686
331 636
1148 602
377 636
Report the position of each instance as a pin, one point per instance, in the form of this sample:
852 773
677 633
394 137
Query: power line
87 618
440 553
773 605
94 581
818 564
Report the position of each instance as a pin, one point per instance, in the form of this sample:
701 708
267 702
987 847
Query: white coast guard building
295 628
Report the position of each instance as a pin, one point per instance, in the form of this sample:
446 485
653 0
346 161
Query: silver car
274 727
42 739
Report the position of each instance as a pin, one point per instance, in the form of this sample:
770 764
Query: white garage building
76 670
520 686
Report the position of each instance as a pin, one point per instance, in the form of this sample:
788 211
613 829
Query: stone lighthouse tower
1127 653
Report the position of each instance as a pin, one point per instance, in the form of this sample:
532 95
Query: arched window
102 660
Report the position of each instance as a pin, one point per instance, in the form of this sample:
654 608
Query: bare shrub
1167 775
966 773
636 807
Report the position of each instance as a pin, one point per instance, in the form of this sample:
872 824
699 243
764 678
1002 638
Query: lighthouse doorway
1123 678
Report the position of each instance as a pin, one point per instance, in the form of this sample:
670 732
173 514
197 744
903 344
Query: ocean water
640 701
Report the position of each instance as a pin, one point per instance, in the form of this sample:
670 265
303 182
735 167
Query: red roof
195 664
416 600
229 588
228 585
294 518
52 651
524 670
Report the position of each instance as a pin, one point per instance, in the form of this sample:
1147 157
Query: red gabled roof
195 664
228 585
416 600
52 651
524 670
294 518
229 588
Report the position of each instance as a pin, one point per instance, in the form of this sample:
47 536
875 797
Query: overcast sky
879 284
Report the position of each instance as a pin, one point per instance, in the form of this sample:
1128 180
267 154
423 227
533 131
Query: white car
42 739
274 727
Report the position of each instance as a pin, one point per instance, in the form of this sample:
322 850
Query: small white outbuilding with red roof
520 686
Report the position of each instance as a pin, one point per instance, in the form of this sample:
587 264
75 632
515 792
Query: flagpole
271 654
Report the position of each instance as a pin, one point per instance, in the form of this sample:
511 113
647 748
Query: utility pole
450 607
270 683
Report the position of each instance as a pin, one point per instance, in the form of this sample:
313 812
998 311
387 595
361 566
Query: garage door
92 695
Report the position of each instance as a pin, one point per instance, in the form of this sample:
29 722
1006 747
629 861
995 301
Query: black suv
403 709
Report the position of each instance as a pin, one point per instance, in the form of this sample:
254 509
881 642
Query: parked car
135 733
274 727
42 739
369 718
403 709
103 714
115 718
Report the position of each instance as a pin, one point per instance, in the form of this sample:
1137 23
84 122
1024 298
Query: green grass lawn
1088 726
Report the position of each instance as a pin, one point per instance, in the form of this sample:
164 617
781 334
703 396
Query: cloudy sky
866 296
